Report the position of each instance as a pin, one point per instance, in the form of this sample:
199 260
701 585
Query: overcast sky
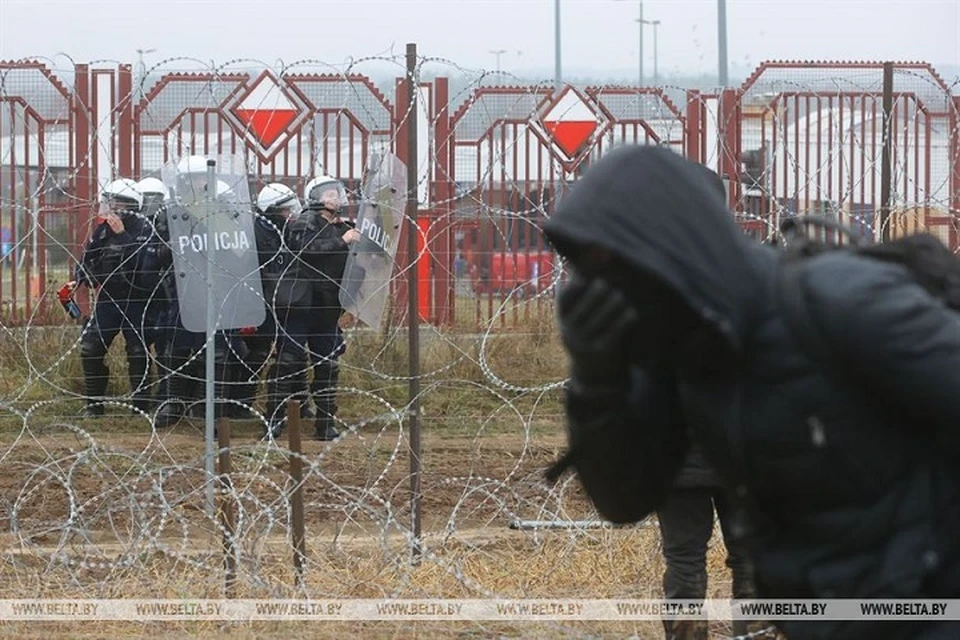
598 35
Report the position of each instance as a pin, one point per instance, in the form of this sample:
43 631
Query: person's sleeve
627 444
311 242
89 269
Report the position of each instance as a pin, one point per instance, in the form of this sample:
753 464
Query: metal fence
795 137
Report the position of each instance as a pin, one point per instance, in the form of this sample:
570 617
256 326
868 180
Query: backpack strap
806 332
791 294
791 297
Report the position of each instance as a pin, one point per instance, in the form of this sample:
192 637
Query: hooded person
686 521
674 333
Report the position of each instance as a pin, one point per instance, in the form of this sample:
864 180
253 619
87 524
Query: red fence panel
810 141
41 188
796 137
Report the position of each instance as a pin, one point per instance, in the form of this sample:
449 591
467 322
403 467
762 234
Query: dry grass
110 509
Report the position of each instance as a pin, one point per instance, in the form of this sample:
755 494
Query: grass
109 508
21 301
466 378
613 563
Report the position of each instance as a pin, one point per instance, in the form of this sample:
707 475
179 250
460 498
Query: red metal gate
810 140
508 169
44 184
336 123
796 137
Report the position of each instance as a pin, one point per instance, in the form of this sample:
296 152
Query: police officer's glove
597 323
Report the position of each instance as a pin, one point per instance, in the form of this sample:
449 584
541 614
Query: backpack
932 265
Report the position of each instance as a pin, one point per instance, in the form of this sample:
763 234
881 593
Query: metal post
722 42
557 75
211 196
642 81
656 70
498 53
226 511
413 312
886 171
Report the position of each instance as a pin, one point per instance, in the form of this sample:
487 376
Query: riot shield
366 278
215 222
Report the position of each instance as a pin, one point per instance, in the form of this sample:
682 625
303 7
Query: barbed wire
115 504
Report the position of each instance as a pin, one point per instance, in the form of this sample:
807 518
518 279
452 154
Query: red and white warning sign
265 112
570 122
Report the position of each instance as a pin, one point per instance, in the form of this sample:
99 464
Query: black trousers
110 318
308 338
686 525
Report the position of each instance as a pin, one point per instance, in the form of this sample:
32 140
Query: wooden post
296 498
226 508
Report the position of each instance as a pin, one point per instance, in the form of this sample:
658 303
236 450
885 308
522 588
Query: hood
660 213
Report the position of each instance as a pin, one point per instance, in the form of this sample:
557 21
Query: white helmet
122 192
153 186
277 196
192 164
325 192
192 179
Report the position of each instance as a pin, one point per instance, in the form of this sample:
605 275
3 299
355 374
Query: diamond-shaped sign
265 112
570 123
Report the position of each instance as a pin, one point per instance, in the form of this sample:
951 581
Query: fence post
694 126
402 117
442 244
413 315
886 152
296 498
729 130
124 106
81 133
954 211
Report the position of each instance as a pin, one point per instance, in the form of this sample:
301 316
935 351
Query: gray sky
598 35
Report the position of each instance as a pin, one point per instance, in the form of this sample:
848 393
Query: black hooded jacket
852 486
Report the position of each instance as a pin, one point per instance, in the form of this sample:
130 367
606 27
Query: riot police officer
321 240
155 194
183 359
117 261
277 206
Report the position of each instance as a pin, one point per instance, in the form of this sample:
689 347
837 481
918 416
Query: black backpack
929 261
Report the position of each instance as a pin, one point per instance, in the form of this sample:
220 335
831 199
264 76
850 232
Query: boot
325 379
172 409
249 373
324 430
287 381
96 374
307 412
92 409
686 629
138 371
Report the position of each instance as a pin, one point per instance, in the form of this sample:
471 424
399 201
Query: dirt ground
101 511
